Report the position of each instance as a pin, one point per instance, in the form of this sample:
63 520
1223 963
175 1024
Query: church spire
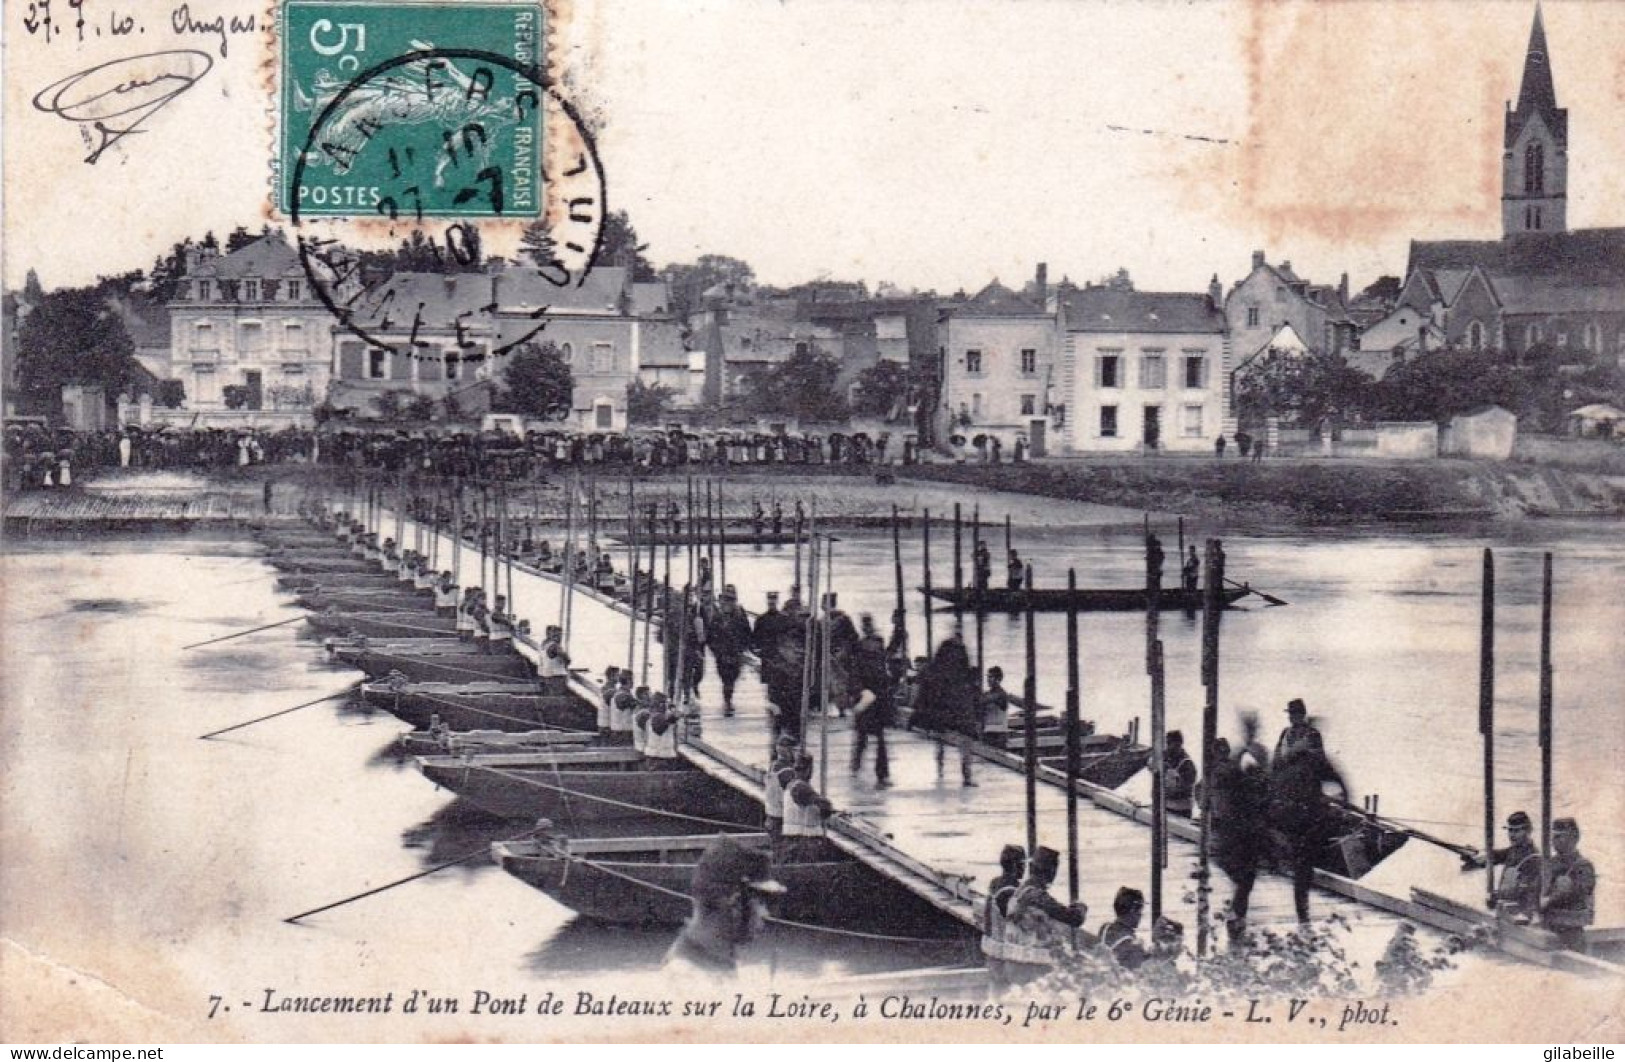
1537 93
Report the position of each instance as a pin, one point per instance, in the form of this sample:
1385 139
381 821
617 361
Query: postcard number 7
325 27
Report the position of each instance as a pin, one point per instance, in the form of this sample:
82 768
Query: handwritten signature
115 98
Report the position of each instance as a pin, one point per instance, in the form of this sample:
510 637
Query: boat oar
239 634
437 868
345 692
1268 599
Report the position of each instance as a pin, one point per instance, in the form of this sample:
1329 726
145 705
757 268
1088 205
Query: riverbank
1305 491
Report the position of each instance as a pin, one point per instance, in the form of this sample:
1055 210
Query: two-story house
1143 371
250 320
998 368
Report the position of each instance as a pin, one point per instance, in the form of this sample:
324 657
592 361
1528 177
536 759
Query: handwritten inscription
49 21
110 101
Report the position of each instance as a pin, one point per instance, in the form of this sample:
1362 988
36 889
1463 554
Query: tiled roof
1582 255
600 291
1543 295
268 256
393 304
996 300
1109 310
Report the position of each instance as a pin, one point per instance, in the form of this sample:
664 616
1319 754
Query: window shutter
1100 370
350 362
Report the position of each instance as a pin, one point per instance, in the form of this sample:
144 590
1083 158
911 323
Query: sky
938 144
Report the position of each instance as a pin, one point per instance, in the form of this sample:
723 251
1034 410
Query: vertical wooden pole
1212 616
1486 715
959 560
711 537
722 539
926 589
1546 708
649 591
1007 542
1029 718
823 669
975 549
1159 722
631 573
457 533
900 612
1074 739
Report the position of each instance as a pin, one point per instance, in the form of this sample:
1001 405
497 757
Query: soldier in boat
661 735
1572 887
1178 775
804 812
778 518
1012 865
606 698
1299 733
500 627
465 614
758 518
1015 571
732 885
1517 892
1191 574
982 566
779 773
445 595
1120 937
623 710
555 661
1036 924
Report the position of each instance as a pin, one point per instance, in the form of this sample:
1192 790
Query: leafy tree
167 270
537 382
418 407
1302 389
690 281
33 293
235 395
619 246
803 386
391 404
240 237
537 243
880 388
74 337
171 394
647 403
1386 289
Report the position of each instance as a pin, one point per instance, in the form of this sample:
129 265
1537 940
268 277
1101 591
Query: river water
163 865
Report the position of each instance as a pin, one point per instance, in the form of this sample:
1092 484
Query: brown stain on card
1357 129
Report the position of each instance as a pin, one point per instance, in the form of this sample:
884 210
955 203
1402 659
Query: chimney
1258 259
1215 292
1343 289
1286 265
1042 283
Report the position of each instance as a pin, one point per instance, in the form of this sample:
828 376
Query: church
1541 283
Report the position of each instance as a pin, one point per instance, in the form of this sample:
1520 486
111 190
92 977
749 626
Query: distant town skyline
937 146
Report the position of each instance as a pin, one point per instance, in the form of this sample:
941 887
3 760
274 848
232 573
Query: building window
1153 372
377 364
802 348
250 337
203 335
1029 362
976 406
251 291
1029 405
1108 371
1190 422
1531 336
1475 336
973 362
294 291
1108 422
1252 317
1534 169
454 365
1195 372
567 353
1593 338
203 293
603 357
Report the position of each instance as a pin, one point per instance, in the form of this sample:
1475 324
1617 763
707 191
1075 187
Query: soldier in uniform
1571 888
1178 775
1120 937
1012 862
804 812
1036 924
729 635
1517 892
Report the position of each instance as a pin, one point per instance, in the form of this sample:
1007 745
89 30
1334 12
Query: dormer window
251 291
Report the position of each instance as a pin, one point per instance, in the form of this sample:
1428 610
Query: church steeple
1535 167
1537 93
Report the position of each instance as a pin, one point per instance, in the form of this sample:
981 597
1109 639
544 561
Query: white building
1142 371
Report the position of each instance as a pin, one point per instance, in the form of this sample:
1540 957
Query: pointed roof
1537 94
996 300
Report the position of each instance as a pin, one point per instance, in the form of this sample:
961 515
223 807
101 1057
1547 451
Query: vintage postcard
588 520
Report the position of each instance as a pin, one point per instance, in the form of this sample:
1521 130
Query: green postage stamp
410 110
